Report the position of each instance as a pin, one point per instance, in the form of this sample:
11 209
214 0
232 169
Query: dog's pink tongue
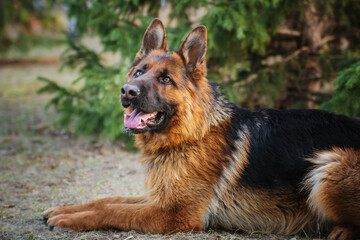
132 120
136 119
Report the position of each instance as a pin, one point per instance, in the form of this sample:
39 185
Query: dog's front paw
47 212
54 211
76 217
88 220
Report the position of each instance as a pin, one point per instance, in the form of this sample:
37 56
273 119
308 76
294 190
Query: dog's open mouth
140 120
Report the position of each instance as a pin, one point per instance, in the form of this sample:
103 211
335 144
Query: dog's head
162 86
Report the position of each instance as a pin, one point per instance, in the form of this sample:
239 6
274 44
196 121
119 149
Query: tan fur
279 212
334 185
181 160
192 180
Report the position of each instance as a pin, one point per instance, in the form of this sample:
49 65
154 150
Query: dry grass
43 166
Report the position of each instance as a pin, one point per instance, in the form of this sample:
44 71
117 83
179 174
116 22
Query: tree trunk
306 81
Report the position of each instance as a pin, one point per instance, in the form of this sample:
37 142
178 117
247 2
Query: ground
43 166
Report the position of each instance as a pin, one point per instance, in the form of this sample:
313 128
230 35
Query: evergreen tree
265 53
346 98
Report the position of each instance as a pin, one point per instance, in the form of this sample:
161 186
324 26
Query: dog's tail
334 190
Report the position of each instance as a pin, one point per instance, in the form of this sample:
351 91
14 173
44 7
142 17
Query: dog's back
283 140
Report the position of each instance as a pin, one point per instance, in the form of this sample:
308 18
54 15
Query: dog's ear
193 48
154 38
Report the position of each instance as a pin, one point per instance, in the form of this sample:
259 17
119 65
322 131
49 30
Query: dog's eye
166 80
138 73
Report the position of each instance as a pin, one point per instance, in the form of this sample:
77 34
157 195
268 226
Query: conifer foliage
265 53
346 98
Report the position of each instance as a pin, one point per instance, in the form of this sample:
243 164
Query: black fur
282 140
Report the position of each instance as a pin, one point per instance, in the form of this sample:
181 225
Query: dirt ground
43 166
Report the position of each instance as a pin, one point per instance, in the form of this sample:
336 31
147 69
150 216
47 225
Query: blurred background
264 53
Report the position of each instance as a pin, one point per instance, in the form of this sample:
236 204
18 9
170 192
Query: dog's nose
130 91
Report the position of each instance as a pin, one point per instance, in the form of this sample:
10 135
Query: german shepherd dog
212 164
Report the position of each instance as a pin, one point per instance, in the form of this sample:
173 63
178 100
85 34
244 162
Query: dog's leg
144 217
54 211
334 186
